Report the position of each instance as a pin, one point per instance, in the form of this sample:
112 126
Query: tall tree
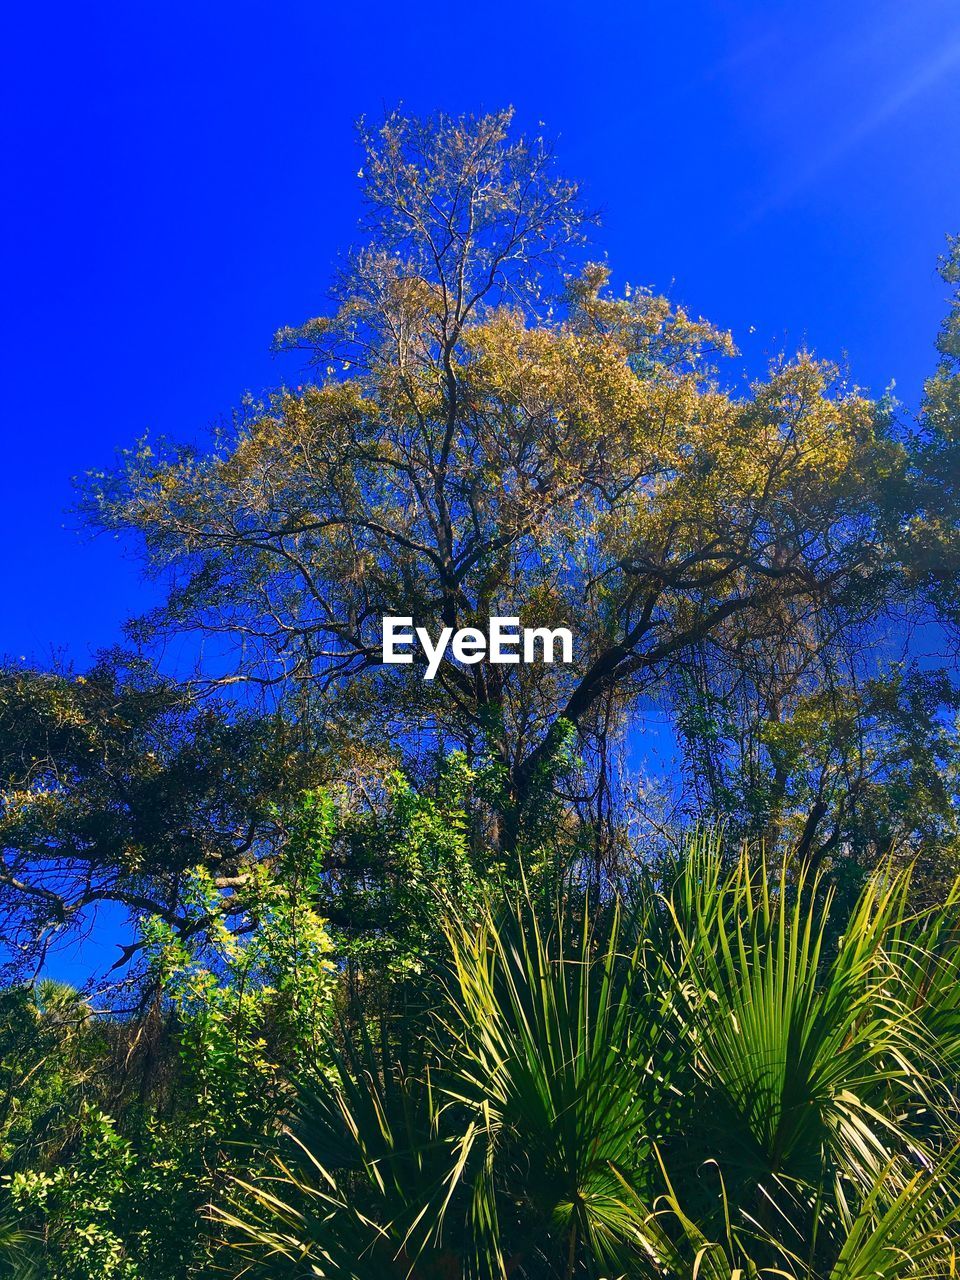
492 431
933 535
836 738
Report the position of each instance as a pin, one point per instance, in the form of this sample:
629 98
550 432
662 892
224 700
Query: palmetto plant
17 1252
712 1077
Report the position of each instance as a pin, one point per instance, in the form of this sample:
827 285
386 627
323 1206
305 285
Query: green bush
715 1077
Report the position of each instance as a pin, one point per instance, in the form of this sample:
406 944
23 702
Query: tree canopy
492 430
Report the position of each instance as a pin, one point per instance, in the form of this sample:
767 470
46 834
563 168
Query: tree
933 536
856 768
115 784
495 433
837 739
116 1131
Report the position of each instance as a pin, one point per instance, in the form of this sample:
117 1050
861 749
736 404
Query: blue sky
179 181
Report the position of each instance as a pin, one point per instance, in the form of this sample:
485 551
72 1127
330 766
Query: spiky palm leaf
561 1056
727 1083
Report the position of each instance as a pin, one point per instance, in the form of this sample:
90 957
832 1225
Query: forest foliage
437 979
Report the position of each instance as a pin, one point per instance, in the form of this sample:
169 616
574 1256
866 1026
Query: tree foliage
114 783
494 431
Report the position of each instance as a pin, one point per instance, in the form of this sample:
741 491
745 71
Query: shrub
712 1077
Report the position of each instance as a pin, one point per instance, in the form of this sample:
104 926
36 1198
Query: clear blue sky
178 181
